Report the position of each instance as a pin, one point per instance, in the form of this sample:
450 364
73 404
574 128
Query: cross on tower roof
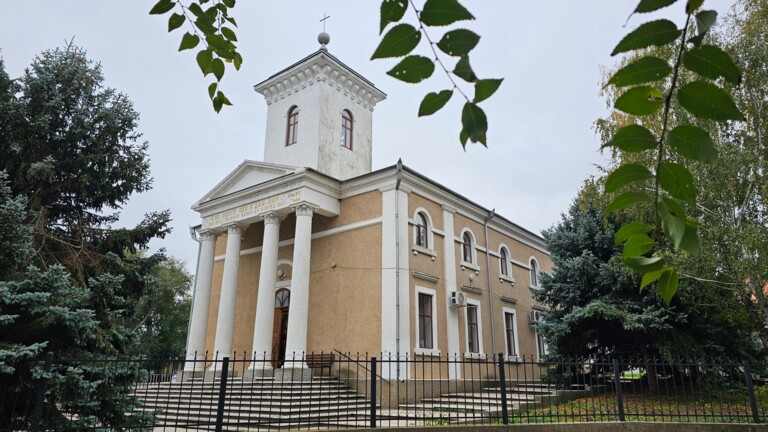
325 17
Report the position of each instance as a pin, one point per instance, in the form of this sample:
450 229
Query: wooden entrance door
280 327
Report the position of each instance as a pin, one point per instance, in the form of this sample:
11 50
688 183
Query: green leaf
485 88
399 41
712 62
232 21
205 25
657 33
392 11
706 100
693 5
637 245
217 104
668 284
413 69
677 180
474 123
238 60
162 7
693 142
212 89
633 138
217 42
432 102
229 3
627 199
650 278
673 220
217 67
690 241
463 138
223 99
175 21
642 100
704 21
188 41
443 12
652 5
625 174
458 42
643 70
643 264
229 34
628 230
204 58
196 9
464 71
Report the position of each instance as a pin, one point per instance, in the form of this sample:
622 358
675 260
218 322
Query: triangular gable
247 174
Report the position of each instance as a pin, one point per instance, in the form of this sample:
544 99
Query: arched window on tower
292 130
346 129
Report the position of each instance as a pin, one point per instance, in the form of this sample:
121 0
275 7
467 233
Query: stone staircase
457 408
263 403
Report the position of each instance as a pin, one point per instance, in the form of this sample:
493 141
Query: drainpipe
399 174
488 272
193 234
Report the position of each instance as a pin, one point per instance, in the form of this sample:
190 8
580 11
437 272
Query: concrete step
487 396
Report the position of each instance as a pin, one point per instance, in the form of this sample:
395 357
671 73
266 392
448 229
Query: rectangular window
473 341
541 345
509 326
425 321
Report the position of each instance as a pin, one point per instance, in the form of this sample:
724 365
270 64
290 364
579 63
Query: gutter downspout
488 272
399 174
193 234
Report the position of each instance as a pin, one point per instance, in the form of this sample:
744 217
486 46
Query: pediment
247 174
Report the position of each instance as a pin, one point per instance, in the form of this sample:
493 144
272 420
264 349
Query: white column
296 343
265 303
225 325
452 314
198 325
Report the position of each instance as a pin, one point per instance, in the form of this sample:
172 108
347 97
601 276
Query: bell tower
320 115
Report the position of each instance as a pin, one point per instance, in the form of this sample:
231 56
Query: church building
311 250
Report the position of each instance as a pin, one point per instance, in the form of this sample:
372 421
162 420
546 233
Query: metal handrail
363 365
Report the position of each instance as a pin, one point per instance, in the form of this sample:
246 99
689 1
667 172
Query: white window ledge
426 251
535 287
474 267
474 356
513 359
504 277
426 352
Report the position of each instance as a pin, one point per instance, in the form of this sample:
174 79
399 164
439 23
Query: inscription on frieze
255 208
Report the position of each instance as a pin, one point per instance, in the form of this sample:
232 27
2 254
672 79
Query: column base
293 374
258 371
192 375
211 375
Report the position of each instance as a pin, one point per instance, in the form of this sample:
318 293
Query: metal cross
323 20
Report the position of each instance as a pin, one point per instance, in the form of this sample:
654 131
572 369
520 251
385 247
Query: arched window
292 130
422 227
466 250
504 261
346 129
534 272
282 298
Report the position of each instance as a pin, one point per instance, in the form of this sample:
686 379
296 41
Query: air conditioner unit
535 317
458 299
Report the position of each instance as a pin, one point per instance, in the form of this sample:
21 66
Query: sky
541 140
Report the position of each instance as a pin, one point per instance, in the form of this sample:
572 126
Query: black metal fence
341 390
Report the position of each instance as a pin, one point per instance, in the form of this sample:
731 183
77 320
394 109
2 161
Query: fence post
373 392
503 386
751 391
222 394
42 387
617 383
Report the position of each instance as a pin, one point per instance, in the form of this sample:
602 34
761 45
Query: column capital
207 235
234 229
304 209
271 218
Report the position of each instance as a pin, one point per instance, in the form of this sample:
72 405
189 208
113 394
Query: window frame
292 126
470 248
347 128
505 264
479 354
418 349
515 355
533 272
